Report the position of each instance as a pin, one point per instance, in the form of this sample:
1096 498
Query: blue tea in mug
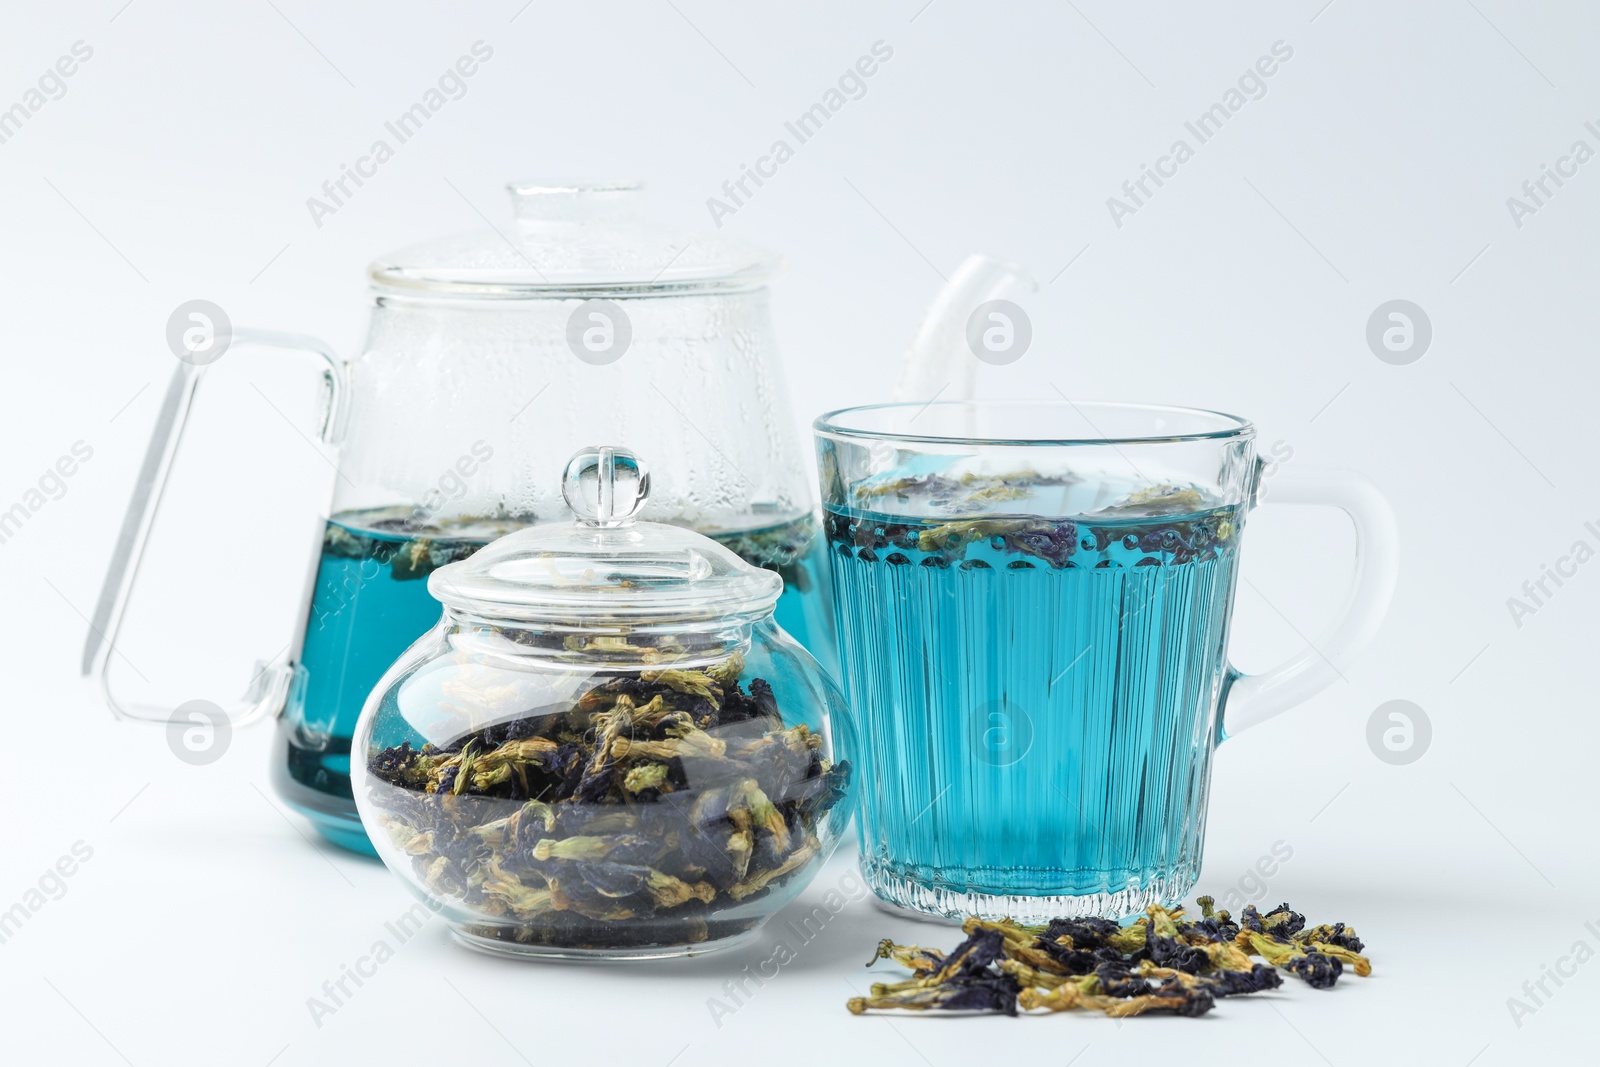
1044 690
1033 604
1033 639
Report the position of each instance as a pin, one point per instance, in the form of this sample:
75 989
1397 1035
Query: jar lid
606 566
568 238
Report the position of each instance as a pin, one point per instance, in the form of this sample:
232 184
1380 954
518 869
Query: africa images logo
1252 85
451 85
52 85
851 85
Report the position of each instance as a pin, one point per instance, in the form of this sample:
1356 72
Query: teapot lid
606 566
571 238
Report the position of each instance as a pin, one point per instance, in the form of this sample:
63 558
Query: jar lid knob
605 486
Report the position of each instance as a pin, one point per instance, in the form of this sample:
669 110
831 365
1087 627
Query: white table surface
207 919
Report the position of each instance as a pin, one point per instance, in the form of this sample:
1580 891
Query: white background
1377 166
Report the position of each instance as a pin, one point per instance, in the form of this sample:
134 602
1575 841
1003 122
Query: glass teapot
489 360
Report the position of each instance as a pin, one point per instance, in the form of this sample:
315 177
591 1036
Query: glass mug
1033 603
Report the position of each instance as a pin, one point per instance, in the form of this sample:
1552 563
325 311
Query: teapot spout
940 362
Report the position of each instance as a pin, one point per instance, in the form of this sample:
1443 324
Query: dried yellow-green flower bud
522 900
691 683
420 845
726 674
645 776
695 744
574 848
766 814
797 858
1019 941
670 891
1356 961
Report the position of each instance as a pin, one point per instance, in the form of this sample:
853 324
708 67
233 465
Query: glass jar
606 747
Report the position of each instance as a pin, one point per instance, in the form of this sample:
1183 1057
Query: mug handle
1250 699
269 688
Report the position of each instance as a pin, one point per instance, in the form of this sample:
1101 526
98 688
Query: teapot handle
1254 698
269 688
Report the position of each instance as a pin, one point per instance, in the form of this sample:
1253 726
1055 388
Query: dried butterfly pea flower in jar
605 747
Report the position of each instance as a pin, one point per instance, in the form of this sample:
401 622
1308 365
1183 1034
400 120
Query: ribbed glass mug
1033 605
